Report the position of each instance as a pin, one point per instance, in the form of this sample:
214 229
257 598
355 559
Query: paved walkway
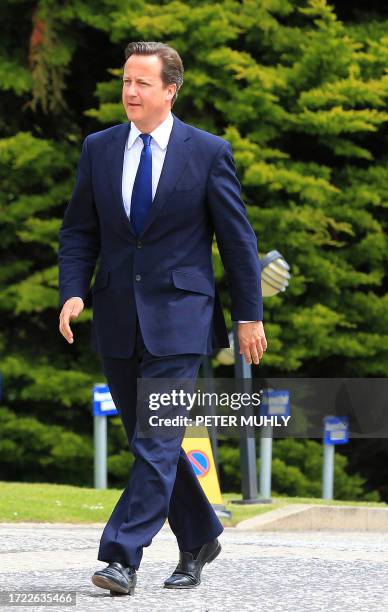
270 572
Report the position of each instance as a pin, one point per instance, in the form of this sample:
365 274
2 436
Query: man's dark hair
172 67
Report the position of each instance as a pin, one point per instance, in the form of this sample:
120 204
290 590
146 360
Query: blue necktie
141 199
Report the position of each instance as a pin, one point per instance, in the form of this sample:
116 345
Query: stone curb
307 517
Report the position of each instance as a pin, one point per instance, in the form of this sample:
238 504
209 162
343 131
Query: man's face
146 100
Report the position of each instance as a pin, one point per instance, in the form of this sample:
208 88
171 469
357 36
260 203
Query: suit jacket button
139 245
138 277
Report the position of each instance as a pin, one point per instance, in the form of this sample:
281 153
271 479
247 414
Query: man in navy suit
150 194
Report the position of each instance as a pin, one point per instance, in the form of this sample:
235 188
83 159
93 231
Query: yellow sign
196 444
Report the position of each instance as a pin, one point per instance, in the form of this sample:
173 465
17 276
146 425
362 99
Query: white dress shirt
132 152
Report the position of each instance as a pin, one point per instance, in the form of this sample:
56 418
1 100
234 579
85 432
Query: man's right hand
70 310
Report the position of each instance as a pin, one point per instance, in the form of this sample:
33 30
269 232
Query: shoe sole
211 558
116 589
192 586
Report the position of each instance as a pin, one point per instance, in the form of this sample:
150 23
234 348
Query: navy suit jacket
164 276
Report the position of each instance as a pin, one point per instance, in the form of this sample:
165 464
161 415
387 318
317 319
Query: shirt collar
161 134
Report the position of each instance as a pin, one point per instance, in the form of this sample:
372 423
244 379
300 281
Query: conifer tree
300 95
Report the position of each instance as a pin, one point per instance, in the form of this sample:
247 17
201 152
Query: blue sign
103 404
275 403
336 430
200 462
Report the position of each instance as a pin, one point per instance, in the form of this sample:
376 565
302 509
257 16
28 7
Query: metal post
100 452
328 471
243 370
265 464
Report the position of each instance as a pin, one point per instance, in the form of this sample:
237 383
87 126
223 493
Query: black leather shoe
119 579
187 573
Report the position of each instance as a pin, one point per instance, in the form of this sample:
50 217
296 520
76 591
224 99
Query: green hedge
296 471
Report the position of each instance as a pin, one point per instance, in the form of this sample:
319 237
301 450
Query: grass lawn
40 502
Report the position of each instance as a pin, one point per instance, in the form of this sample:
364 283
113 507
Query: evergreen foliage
297 471
301 96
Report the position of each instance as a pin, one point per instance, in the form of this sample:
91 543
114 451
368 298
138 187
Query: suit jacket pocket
187 186
192 281
188 182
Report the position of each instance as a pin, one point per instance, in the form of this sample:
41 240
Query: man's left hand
252 341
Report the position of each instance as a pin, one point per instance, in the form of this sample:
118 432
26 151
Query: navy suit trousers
162 483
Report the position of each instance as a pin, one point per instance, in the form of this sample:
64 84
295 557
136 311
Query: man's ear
171 94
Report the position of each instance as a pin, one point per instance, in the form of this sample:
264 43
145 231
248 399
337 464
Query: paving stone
270 571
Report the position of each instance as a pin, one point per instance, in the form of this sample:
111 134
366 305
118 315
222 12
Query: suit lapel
176 158
175 161
115 157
